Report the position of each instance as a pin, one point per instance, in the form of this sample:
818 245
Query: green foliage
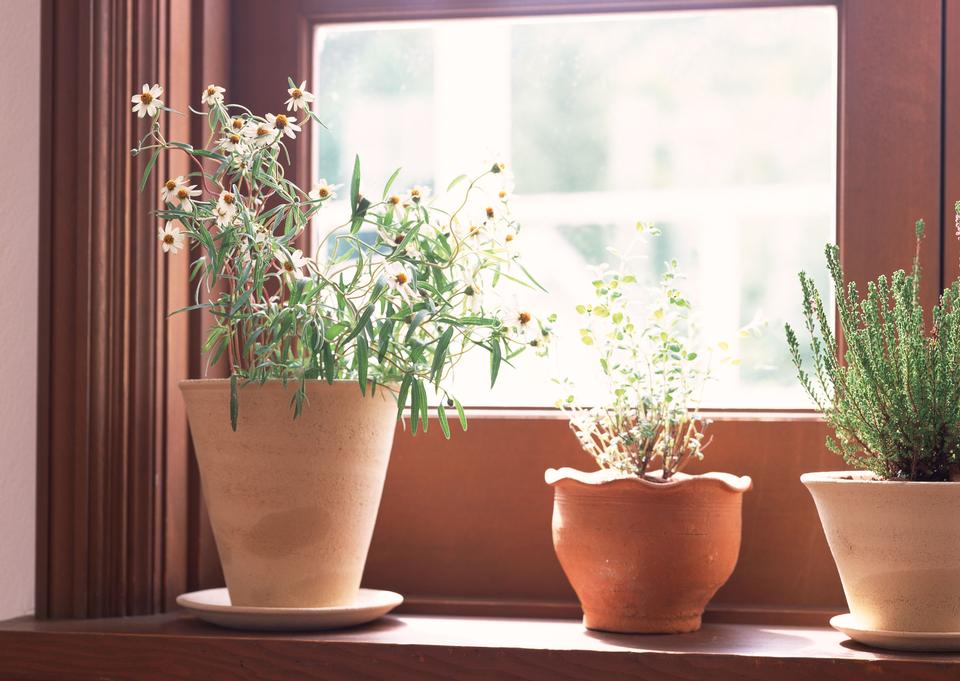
652 372
894 399
392 298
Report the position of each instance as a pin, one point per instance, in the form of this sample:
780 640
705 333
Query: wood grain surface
176 647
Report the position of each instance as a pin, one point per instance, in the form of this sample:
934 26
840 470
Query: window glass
719 126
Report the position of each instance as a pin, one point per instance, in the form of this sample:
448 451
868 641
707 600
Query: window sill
176 647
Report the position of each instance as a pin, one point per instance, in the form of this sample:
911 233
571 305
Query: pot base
641 625
930 642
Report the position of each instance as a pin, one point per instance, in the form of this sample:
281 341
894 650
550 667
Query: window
718 125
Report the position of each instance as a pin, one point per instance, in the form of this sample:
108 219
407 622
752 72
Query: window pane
720 126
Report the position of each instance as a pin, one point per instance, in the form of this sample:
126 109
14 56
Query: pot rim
860 477
603 477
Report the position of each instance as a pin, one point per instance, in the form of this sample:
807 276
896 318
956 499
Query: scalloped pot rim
734 483
866 477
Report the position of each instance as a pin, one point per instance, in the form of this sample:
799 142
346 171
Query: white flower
287 125
171 238
227 200
237 125
473 294
212 95
168 191
507 236
520 321
261 133
322 191
183 197
292 264
225 215
398 279
147 102
233 142
419 193
299 97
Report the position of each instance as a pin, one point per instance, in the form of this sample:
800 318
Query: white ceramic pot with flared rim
897 548
292 502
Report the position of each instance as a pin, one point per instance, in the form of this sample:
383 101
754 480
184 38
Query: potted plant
644 545
889 384
324 352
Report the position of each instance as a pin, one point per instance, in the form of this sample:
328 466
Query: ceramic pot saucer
213 605
897 640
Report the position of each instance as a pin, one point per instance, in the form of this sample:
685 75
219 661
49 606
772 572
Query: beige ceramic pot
646 557
292 501
897 548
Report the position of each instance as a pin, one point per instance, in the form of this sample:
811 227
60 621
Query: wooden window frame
464 525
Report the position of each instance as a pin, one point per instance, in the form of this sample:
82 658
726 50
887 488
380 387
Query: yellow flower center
524 317
211 90
503 194
234 138
227 198
323 192
288 266
401 278
394 199
146 98
237 124
474 230
168 239
508 238
297 93
262 130
170 185
398 239
281 121
182 193
489 212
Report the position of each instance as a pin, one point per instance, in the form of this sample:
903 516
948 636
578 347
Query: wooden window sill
176 647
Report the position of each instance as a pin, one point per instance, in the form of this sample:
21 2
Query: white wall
20 103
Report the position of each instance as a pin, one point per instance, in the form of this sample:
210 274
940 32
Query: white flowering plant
648 425
393 298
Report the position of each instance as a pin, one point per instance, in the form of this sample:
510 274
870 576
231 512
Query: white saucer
897 640
213 605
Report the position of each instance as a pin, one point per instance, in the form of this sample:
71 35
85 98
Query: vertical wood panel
951 140
890 137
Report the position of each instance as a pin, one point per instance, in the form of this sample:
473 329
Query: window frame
877 199
121 524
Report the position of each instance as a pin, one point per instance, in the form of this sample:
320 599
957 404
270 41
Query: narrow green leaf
495 359
148 168
460 414
234 402
442 417
355 185
386 188
440 353
402 395
362 362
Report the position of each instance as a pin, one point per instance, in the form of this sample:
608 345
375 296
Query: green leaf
148 168
442 417
362 363
460 414
234 402
361 322
355 185
402 395
386 187
440 353
495 359
455 181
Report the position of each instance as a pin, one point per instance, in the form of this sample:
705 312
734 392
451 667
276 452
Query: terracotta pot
646 557
292 501
897 548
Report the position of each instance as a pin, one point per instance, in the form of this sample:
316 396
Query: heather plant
393 298
889 381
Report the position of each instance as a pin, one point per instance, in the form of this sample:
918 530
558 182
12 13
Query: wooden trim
112 459
890 142
179 648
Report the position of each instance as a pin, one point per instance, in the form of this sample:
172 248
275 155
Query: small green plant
393 297
652 372
888 383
